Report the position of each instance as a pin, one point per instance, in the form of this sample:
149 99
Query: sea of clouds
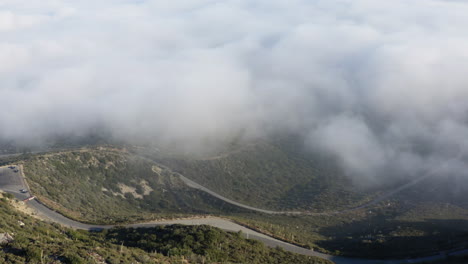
381 85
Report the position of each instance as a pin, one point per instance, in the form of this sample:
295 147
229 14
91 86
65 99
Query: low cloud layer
382 85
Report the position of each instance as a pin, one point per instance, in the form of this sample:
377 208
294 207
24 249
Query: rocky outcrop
5 238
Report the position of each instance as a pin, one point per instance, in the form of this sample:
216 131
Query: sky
380 85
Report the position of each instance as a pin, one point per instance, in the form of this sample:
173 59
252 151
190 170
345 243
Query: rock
5 238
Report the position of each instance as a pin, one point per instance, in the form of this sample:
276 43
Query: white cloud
192 69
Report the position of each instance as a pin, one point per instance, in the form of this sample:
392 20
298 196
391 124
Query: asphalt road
13 182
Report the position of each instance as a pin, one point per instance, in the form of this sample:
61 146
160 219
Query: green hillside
34 241
396 231
273 175
104 185
109 185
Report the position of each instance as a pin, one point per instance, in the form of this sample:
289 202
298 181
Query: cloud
378 84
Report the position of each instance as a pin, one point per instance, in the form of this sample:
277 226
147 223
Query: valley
143 189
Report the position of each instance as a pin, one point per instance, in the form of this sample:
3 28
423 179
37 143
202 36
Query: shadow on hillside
379 238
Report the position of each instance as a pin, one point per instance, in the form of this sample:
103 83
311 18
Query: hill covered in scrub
105 184
35 241
278 175
108 185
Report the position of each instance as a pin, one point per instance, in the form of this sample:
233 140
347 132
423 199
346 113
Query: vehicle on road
15 170
23 191
12 167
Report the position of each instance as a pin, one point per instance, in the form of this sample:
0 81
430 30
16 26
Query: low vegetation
35 241
272 175
389 230
104 185
110 186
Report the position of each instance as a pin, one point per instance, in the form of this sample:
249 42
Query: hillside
396 231
34 241
105 185
273 175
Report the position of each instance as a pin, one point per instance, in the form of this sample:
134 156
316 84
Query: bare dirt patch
156 169
146 188
128 189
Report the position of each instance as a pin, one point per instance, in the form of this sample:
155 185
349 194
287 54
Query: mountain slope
35 241
111 185
272 175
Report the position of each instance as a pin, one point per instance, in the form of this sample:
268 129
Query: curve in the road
227 225
374 201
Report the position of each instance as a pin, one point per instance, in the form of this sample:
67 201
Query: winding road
12 182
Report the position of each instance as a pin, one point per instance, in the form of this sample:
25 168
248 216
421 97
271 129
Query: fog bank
381 85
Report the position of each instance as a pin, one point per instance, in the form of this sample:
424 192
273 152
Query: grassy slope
397 231
272 175
415 222
87 185
40 242
426 218
423 219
